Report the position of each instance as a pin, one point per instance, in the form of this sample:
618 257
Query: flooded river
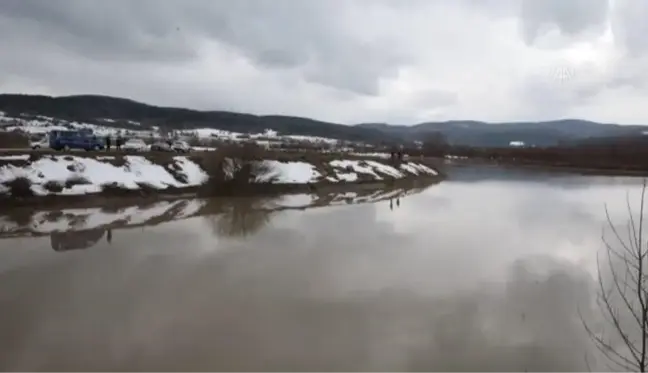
484 271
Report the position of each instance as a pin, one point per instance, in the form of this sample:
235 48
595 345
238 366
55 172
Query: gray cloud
570 17
272 34
347 61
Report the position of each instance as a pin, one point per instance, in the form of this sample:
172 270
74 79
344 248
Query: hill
95 109
474 133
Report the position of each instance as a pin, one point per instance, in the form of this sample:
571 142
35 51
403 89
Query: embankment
38 178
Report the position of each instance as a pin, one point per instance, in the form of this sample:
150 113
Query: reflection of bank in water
233 217
78 240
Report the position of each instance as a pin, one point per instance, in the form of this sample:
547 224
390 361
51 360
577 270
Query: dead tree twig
623 299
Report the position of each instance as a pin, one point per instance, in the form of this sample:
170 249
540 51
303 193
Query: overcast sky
397 61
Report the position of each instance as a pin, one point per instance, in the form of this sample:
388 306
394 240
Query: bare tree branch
629 286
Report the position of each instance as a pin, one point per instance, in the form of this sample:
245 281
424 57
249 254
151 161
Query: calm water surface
483 272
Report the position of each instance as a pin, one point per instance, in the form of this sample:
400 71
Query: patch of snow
137 170
385 169
293 172
79 189
423 168
356 167
372 155
195 175
409 168
20 157
348 177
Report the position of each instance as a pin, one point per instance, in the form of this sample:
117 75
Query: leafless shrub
623 295
235 168
20 187
33 157
76 180
114 189
53 186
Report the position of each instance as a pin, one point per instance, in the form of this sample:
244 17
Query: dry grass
9 140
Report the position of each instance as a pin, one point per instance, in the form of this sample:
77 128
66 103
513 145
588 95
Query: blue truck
66 140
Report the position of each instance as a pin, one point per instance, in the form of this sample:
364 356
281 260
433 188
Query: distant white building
270 133
517 144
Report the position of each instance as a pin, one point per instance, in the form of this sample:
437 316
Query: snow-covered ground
91 175
42 124
372 155
344 171
76 175
108 127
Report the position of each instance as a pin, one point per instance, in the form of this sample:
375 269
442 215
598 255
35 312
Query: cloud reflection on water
478 282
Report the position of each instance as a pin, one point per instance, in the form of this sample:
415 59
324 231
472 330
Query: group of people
119 141
397 154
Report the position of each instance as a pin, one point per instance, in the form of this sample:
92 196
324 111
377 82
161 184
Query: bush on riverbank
234 168
20 187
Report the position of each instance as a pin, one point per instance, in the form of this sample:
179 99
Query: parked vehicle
66 140
181 146
161 146
137 145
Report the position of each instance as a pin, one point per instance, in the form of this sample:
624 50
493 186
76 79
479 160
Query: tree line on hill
95 109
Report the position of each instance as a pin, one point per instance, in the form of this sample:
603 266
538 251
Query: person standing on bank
108 143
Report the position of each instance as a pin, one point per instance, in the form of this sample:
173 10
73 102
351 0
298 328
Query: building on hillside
517 144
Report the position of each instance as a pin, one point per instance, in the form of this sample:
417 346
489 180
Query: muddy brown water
484 271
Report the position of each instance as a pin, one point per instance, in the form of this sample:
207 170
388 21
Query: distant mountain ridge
91 108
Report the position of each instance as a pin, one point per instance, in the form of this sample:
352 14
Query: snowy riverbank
69 175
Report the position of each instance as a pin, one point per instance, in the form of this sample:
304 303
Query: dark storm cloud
340 60
630 25
570 17
272 34
116 30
